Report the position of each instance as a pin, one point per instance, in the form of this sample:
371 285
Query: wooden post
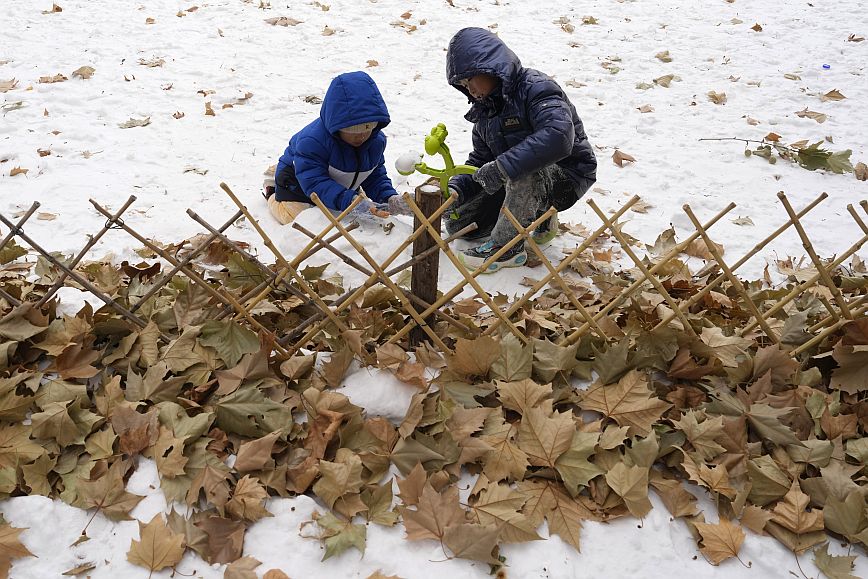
425 272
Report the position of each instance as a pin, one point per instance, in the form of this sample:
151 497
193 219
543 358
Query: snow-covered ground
218 52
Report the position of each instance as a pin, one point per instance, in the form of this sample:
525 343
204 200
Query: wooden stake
425 272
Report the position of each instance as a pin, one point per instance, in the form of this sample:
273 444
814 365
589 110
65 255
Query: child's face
354 139
479 86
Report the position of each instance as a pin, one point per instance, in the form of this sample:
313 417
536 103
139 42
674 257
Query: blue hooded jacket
318 161
527 123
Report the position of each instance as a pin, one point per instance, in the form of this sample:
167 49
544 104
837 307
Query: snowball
406 163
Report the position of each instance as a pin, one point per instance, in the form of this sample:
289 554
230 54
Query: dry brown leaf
208 110
805 113
665 80
149 21
154 62
832 95
372 63
718 98
646 109
43 152
275 574
158 547
178 115
52 79
619 158
54 9
721 541
84 72
629 402
772 137
854 38
753 122
18 171
861 171
283 21
135 123
44 216
7 85
11 547
327 31
756 27
698 248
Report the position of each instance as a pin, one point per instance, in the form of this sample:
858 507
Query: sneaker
547 231
474 257
268 188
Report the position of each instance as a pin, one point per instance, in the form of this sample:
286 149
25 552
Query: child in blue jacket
339 155
528 142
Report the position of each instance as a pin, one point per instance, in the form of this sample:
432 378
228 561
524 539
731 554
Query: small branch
774 144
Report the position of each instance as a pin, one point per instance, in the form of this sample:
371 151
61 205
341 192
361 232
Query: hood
351 99
475 51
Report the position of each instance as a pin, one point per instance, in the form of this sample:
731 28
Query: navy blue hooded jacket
318 161
527 123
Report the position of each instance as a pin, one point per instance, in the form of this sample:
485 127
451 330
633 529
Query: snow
226 47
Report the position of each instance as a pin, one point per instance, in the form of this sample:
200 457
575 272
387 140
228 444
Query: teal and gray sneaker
516 256
546 231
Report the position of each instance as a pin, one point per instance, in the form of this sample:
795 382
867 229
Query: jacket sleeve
378 187
479 156
311 169
553 133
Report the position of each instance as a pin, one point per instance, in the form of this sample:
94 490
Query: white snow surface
226 47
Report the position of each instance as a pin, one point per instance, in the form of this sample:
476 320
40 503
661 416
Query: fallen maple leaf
718 98
11 547
158 547
629 402
620 158
832 95
84 72
721 541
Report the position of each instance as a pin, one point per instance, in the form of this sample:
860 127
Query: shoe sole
549 235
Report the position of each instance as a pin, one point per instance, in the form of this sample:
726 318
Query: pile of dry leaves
776 440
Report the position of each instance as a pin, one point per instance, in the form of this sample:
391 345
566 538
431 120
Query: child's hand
366 209
397 206
491 177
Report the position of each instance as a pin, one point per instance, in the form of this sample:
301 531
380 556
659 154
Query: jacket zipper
358 162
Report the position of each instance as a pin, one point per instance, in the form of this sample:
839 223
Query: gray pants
526 198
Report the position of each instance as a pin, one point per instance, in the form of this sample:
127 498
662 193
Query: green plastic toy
435 143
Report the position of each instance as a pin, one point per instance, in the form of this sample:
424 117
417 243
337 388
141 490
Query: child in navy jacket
338 155
528 142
